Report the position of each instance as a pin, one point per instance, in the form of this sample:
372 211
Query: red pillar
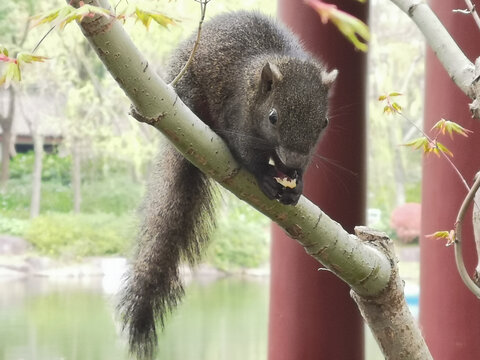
449 313
311 313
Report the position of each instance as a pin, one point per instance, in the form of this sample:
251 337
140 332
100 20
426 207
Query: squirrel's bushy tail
177 218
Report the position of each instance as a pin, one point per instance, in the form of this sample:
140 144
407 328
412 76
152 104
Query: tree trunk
76 177
6 123
5 170
37 175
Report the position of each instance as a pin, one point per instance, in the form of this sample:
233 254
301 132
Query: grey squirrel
253 84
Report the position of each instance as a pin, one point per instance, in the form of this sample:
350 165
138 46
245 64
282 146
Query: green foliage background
92 112
92 115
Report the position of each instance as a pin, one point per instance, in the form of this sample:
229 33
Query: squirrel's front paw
270 187
287 193
290 196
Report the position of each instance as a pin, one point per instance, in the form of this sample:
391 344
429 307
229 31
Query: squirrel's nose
292 160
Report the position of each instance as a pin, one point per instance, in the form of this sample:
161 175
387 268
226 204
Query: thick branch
458 66
388 316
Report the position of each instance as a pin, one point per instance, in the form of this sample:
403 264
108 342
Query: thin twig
456 170
43 38
203 9
458 240
431 141
471 10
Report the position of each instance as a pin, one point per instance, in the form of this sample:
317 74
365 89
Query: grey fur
245 66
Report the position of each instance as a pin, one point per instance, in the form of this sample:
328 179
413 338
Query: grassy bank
108 219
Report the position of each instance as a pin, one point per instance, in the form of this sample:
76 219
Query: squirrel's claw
274 190
290 196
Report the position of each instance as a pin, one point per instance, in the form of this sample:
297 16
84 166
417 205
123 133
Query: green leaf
444 149
393 107
3 50
146 18
66 14
26 58
387 110
449 235
351 27
443 126
392 94
397 107
48 17
12 73
428 146
418 143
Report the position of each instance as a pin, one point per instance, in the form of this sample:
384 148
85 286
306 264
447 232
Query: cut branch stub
387 313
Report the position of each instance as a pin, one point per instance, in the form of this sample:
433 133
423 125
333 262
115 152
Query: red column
311 313
449 313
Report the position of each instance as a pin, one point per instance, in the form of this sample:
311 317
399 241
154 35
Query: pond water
73 319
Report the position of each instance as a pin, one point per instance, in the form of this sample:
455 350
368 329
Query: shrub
78 235
54 167
241 239
405 220
116 195
11 226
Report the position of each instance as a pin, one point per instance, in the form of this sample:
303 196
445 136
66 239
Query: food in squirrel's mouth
282 178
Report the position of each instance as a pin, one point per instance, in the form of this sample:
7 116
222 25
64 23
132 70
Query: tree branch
458 66
471 285
203 10
476 228
388 314
473 11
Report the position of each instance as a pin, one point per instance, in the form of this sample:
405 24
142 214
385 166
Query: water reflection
73 318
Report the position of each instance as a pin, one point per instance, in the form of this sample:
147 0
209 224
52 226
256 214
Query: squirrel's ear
270 76
328 78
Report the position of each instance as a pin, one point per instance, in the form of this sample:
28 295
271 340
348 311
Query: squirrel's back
229 44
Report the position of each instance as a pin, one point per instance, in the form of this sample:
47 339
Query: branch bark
472 195
388 314
476 227
458 66
362 264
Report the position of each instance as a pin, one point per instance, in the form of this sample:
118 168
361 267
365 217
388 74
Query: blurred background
74 172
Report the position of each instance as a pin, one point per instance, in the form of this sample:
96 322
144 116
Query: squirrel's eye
325 123
273 116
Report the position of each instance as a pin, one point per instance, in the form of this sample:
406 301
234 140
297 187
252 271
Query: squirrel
253 83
